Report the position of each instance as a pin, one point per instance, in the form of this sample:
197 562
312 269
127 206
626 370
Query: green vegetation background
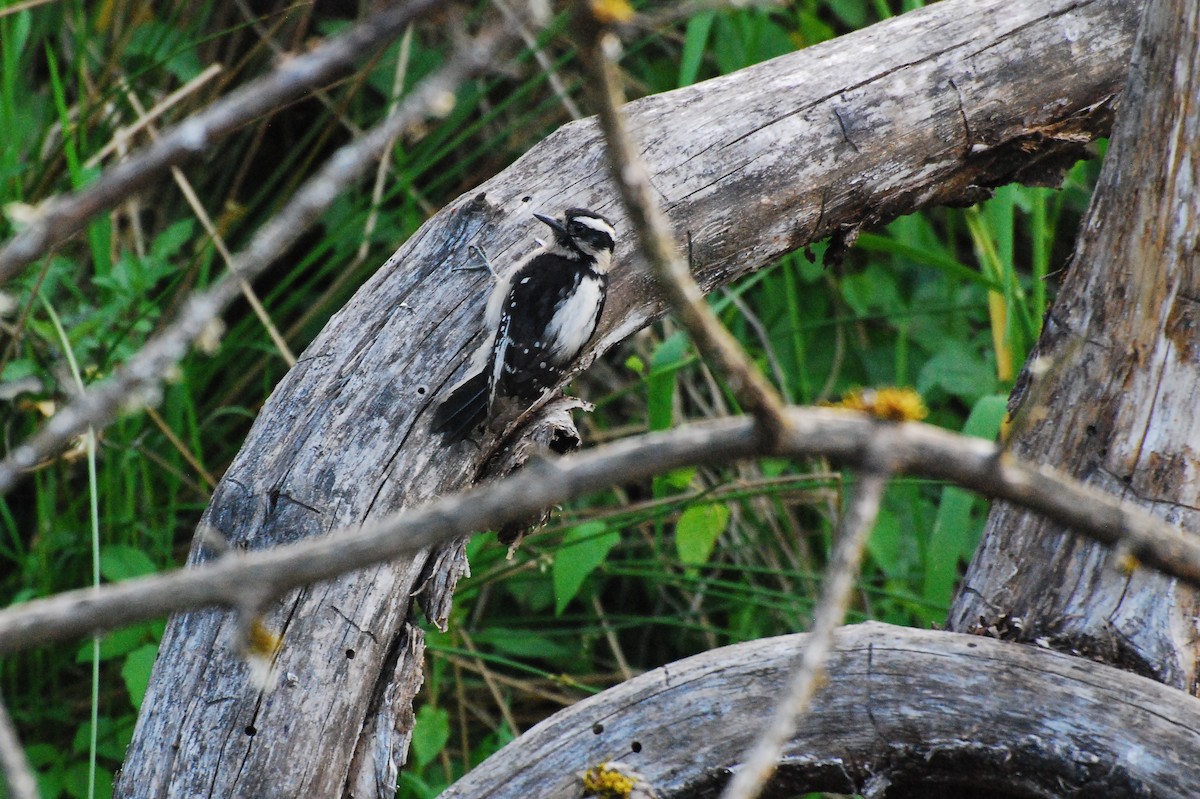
948 302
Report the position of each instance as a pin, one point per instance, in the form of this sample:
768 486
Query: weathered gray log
930 107
911 710
1120 407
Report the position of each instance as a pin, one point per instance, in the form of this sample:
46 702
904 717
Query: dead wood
905 713
1119 403
935 106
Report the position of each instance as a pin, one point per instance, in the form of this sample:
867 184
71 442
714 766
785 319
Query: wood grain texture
915 710
1124 394
930 107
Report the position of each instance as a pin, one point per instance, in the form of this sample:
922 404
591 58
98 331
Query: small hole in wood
635 747
421 390
251 730
597 728
1091 429
349 654
526 198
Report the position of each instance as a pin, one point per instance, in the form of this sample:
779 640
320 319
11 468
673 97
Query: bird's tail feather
464 410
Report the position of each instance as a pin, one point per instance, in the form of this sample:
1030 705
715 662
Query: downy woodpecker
539 317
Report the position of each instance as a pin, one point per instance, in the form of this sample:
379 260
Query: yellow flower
893 404
613 781
608 12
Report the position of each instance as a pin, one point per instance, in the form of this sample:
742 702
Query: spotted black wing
531 348
464 410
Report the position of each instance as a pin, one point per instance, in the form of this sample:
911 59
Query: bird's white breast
574 320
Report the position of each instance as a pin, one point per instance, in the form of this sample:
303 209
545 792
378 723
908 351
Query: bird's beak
560 232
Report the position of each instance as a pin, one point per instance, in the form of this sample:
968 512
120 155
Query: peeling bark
1120 405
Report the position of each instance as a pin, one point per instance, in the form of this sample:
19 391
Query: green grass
948 301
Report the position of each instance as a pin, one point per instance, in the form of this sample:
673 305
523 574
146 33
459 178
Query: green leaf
853 15
986 417
117 643
697 531
161 44
413 787
521 643
112 736
24 595
874 290
77 781
670 354
886 544
168 243
582 551
536 595
51 782
135 671
22 24
695 39
40 755
956 528
660 383
813 29
774 467
430 734
121 562
927 254
958 371
679 479
951 529
18 368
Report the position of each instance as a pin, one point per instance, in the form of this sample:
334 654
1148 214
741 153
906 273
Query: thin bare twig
137 381
125 133
845 437
65 216
808 673
527 686
16 8
182 449
655 237
384 168
764 338
539 55
201 213
610 636
492 687
18 774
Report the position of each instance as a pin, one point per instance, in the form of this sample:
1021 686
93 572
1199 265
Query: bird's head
583 232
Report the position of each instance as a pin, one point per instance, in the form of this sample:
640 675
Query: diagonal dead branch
136 382
655 238
123 135
18 774
809 672
67 215
848 438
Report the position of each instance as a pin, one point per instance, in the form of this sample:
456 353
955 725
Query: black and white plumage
539 316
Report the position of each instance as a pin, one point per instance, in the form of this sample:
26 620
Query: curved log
908 710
